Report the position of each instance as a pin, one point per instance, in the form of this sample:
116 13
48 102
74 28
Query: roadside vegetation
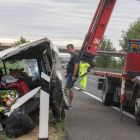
132 32
56 129
22 40
107 61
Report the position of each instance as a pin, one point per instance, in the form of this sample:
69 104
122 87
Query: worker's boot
79 89
83 90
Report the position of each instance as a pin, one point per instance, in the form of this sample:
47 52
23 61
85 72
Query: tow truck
123 88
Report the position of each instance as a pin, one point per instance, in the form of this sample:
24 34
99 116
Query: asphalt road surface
89 119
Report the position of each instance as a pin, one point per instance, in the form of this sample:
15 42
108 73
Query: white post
44 107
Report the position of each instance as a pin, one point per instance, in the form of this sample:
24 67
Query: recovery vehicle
123 88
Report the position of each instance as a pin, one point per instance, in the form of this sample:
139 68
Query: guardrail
108 70
3 47
99 53
79 48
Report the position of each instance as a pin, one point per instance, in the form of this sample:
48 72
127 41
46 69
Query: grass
56 129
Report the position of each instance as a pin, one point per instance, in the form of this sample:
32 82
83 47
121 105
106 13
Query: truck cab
124 88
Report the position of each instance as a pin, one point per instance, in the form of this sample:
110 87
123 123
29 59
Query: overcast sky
62 21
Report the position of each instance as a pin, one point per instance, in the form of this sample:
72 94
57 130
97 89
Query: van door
61 77
57 79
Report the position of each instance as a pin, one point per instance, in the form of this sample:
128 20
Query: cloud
61 21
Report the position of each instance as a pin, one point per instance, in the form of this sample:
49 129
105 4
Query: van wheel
137 108
107 98
58 112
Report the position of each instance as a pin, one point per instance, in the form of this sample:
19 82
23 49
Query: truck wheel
58 112
137 108
107 98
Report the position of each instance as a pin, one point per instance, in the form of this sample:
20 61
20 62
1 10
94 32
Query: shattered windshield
27 65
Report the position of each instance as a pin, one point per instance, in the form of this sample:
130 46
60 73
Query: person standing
83 69
72 71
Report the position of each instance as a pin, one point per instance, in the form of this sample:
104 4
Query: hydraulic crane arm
96 30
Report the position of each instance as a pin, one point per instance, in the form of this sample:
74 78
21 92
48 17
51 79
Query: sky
61 21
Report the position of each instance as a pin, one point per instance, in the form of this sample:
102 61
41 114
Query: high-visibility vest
83 67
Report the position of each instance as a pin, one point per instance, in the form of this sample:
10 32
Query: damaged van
27 62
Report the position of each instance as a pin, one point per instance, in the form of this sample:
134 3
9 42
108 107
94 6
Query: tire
137 108
58 112
107 98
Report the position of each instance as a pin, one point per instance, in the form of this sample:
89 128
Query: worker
83 69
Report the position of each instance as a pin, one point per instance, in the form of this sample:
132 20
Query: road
90 120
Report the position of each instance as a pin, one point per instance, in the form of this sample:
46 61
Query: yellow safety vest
83 67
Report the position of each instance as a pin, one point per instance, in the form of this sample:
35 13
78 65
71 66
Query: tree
133 32
104 61
21 41
120 64
113 63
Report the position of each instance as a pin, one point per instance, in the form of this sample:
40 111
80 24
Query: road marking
116 108
91 95
91 79
124 112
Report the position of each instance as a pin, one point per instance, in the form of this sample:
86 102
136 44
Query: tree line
133 32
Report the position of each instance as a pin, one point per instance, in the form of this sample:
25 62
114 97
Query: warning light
133 80
134 46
